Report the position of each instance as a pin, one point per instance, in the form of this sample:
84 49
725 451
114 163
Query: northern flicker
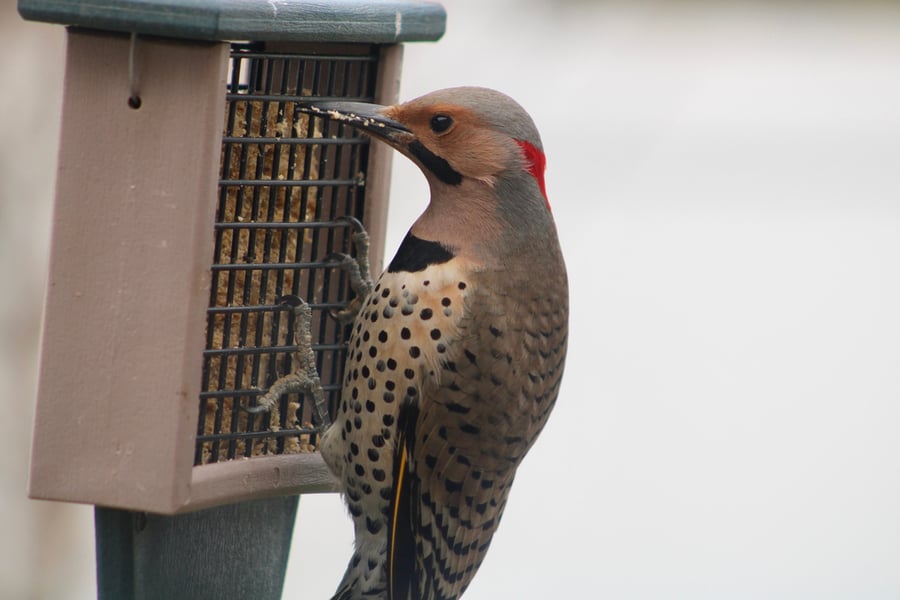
456 355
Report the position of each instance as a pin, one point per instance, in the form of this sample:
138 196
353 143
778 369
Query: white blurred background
726 179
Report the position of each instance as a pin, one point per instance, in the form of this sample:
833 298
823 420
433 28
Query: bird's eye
440 123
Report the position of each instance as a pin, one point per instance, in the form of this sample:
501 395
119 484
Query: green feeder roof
369 21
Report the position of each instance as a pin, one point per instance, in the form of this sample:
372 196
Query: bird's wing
401 537
449 488
462 442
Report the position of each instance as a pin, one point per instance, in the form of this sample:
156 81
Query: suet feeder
192 196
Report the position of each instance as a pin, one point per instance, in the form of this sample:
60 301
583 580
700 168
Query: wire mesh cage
185 220
286 180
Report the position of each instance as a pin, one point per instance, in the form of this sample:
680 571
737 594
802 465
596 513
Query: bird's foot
357 269
305 377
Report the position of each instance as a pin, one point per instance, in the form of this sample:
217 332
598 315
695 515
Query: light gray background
726 180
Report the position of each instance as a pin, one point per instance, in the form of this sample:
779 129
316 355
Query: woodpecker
456 354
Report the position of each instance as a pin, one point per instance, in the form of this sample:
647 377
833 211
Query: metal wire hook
134 98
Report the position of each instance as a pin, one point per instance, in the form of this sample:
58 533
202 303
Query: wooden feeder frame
125 318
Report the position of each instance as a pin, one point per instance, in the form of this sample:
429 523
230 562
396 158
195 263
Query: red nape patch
537 162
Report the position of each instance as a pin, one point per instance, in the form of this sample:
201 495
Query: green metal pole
234 551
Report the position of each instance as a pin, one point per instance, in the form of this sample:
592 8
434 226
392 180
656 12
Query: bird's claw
357 269
305 377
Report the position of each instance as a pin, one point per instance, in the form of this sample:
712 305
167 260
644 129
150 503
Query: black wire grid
285 179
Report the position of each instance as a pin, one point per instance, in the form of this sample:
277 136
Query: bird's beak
366 117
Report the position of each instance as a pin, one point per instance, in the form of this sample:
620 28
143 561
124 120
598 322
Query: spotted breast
400 338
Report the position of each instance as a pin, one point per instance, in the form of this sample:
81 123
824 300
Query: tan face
457 135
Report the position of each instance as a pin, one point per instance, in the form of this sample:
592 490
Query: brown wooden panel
129 273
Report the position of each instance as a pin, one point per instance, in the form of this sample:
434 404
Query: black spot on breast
426 314
373 527
452 486
416 254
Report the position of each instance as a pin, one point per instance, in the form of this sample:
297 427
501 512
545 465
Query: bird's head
479 150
